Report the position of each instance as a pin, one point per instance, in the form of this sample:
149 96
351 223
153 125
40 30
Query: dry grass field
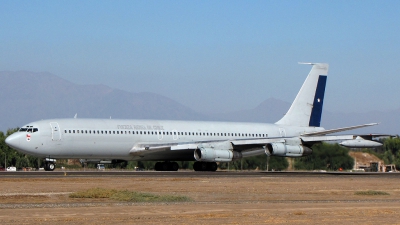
272 199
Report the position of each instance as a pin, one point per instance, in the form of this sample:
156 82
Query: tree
326 157
13 157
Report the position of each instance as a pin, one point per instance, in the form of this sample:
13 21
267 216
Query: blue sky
212 55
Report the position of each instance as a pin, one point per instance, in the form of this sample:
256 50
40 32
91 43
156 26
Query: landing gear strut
166 166
205 166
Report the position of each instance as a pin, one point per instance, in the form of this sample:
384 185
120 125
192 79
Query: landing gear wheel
174 166
164 166
157 167
49 166
212 166
196 166
205 166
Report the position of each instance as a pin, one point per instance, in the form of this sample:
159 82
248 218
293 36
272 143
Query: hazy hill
271 110
28 96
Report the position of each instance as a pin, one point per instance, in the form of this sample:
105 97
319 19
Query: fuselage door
55 131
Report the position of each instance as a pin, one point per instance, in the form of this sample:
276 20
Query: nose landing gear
49 164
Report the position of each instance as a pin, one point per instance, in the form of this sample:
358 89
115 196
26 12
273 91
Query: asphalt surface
19 174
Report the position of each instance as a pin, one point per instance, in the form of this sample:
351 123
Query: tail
306 110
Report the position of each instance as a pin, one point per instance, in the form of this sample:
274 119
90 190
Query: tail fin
306 110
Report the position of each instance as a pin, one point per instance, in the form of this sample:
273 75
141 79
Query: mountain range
29 96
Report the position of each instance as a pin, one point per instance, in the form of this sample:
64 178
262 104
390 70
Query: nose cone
14 140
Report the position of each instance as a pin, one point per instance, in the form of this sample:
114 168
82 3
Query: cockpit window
29 129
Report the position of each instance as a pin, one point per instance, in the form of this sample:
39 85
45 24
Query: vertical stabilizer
306 110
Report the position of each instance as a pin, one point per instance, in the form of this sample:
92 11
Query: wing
226 150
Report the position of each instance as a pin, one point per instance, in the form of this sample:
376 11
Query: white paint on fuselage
113 139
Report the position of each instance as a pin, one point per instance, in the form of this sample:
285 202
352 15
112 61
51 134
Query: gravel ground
216 200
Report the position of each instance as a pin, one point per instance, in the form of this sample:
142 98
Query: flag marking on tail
316 113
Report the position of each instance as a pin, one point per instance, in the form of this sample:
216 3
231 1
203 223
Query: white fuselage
114 139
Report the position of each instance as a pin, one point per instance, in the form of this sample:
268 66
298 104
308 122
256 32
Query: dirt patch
216 200
363 159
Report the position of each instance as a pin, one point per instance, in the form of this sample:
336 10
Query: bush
326 157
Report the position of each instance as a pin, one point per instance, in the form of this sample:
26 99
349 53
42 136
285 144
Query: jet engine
281 149
213 155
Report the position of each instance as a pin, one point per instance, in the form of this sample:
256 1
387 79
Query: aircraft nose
13 140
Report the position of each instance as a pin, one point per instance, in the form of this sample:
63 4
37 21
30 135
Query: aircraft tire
212 166
174 166
49 166
157 167
165 166
196 166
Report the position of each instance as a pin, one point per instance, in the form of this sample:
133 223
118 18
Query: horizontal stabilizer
331 131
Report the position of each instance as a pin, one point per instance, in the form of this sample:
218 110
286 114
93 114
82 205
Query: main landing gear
205 166
166 166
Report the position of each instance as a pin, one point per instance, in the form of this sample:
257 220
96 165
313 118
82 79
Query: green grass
129 196
370 192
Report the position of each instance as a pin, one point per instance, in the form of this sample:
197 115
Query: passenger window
77 131
65 131
69 131
174 133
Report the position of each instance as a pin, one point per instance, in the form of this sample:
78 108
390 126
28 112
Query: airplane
206 142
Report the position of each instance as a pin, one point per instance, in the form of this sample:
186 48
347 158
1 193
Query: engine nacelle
360 143
204 154
281 149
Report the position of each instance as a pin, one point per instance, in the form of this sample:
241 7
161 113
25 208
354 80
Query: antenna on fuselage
76 115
